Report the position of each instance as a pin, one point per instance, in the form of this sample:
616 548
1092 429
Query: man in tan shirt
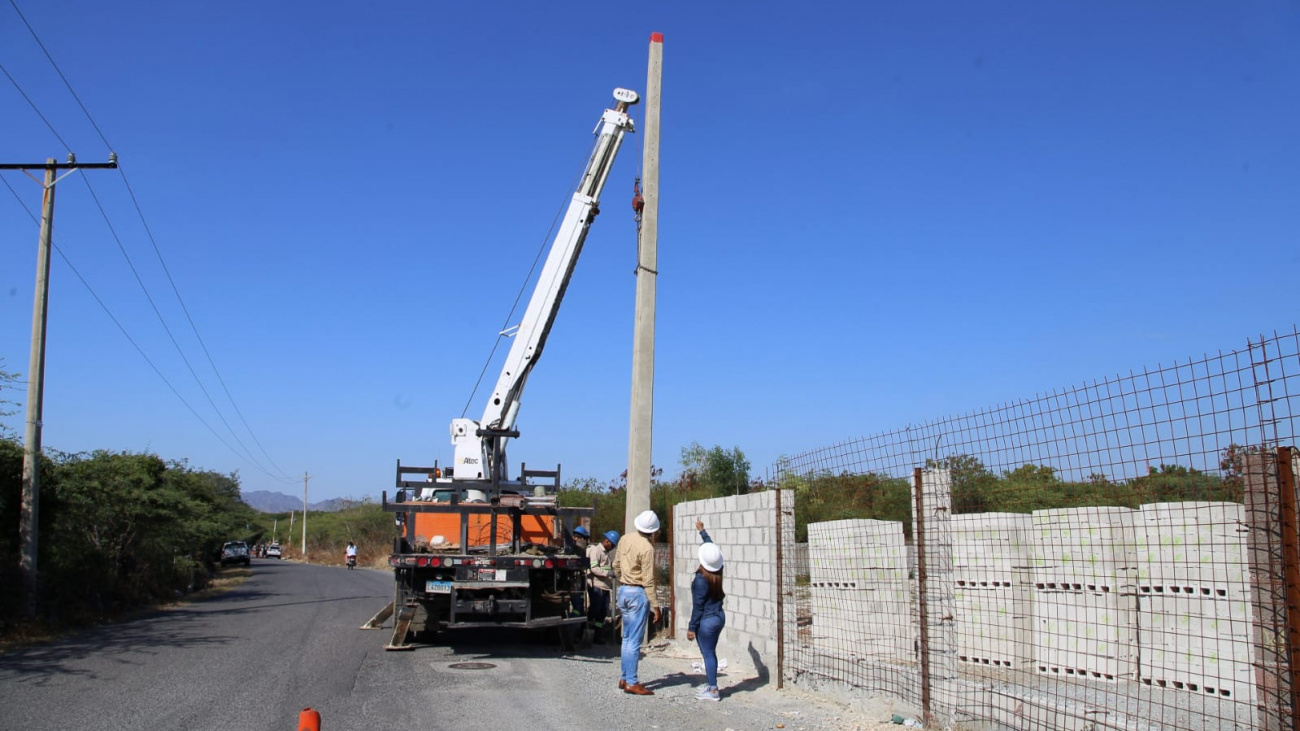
634 565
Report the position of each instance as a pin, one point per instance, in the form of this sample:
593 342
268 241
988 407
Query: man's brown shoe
622 684
638 689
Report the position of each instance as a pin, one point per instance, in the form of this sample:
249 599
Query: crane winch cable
505 326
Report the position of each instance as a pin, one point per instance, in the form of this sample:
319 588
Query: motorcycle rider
351 555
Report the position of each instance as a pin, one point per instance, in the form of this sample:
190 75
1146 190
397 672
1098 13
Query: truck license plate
437 587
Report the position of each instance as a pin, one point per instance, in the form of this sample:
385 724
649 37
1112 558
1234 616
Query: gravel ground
1004 700
749 701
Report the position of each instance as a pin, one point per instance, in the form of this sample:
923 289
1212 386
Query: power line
194 328
166 328
31 103
120 327
157 251
59 71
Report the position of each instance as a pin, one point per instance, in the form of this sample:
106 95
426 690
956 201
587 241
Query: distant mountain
277 502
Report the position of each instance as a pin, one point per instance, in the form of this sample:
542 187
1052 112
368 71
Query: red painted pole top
656 37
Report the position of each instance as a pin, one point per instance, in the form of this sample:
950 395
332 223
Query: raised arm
704 535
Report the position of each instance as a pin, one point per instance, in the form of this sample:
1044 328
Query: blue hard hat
612 536
582 531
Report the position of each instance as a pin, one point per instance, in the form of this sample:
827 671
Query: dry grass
24 632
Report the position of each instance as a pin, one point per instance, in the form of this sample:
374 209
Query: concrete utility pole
643 347
29 525
305 477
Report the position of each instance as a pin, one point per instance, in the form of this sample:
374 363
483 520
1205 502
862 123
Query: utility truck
476 546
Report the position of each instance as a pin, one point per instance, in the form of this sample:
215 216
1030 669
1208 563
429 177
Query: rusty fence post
672 573
1291 570
780 593
1270 500
922 586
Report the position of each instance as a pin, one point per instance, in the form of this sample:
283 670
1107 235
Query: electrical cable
122 328
157 251
194 328
166 328
29 101
541 250
59 71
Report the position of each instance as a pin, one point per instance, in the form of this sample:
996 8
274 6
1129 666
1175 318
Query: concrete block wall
745 528
1084 569
1193 599
993 588
860 591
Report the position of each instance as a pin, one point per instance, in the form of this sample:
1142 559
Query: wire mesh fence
1119 555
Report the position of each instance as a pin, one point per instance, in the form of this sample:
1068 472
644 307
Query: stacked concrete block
860 591
993 588
744 526
1194 601
1084 570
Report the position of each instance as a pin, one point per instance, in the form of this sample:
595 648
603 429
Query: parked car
236 552
273 551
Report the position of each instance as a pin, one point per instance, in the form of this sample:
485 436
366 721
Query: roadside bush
118 530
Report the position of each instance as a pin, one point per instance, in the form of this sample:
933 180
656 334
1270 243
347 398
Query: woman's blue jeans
635 608
707 636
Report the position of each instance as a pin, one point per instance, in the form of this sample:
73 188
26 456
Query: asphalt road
288 638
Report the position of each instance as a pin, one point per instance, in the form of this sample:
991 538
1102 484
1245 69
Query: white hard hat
711 557
647 522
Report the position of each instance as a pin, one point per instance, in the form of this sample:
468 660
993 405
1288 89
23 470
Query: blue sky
871 214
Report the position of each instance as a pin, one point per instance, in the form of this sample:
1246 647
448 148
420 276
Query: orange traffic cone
309 720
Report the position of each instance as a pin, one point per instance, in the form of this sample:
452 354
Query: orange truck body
534 529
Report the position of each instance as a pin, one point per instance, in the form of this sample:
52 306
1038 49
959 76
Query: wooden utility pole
305 477
647 272
29 524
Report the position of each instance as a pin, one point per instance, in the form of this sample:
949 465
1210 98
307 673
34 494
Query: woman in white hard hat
707 617
634 565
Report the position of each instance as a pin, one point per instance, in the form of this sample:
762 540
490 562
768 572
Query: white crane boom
480 445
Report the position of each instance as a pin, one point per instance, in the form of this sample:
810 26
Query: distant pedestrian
634 565
707 617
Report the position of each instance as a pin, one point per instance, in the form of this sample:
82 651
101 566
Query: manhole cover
471 666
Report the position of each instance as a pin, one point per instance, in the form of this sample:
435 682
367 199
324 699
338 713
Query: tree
721 471
1176 483
973 485
8 407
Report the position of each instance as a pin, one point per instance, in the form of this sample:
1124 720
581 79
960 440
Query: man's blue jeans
635 608
707 636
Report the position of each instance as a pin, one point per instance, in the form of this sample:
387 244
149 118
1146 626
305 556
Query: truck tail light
422 561
435 562
550 564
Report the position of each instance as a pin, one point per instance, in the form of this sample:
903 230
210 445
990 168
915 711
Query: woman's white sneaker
706 694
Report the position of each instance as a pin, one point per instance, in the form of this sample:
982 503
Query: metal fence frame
1210 434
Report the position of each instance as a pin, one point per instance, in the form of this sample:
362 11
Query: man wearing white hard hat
634 565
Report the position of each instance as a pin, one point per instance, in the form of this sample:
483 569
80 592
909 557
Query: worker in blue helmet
600 585
582 537
581 604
